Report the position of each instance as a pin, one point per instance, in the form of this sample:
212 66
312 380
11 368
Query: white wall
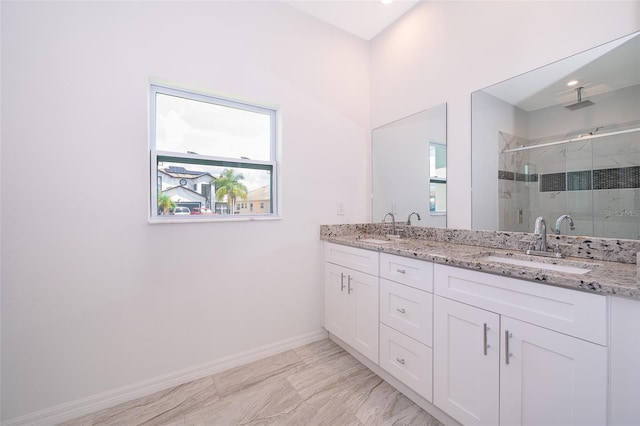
443 51
95 298
490 115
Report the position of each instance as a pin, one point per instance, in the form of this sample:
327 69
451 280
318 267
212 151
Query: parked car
201 210
180 211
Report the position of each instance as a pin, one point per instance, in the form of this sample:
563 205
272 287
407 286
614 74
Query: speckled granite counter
612 261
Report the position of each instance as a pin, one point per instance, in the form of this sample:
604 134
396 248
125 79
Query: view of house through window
437 178
210 156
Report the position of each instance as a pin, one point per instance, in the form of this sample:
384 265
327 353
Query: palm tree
165 203
228 184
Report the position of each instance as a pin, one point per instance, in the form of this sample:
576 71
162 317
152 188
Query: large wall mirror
409 168
562 139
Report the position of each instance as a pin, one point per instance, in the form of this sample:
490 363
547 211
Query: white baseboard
91 404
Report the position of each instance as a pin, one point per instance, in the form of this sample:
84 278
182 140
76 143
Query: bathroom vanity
478 333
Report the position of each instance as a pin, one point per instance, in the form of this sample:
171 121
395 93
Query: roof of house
184 190
181 172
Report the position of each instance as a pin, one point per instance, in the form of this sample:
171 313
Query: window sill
190 219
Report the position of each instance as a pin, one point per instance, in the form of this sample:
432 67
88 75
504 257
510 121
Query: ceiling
363 18
611 66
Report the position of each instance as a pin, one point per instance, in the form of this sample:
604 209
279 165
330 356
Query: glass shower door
616 186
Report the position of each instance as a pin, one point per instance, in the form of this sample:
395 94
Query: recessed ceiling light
572 83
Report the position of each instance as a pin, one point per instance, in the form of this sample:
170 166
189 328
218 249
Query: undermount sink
559 265
374 241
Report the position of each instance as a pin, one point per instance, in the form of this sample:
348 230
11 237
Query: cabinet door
362 293
550 378
624 353
336 302
466 362
351 308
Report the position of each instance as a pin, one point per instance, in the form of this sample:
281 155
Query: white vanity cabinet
512 352
624 353
351 297
406 326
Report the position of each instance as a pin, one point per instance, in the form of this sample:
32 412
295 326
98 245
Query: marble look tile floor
316 384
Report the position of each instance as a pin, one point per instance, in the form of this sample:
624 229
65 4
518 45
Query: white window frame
190 158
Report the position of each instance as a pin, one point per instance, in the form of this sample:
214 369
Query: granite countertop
605 276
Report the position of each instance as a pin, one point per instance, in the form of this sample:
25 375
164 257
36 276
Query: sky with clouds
185 125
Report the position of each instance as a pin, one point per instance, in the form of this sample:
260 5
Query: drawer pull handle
507 354
486 346
402 271
349 289
401 310
400 360
341 282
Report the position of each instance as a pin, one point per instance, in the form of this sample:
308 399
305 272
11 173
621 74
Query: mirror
409 168
561 139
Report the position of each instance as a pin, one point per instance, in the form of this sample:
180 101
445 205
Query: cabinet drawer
412 272
350 257
407 310
407 360
572 312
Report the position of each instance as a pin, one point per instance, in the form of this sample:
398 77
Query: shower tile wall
617 209
548 160
513 192
554 180
578 157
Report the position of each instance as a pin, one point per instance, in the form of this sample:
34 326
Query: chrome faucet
559 222
409 218
393 222
541 229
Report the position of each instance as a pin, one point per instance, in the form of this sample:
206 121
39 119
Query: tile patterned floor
316 384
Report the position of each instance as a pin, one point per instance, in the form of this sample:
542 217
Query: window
437 178
225 150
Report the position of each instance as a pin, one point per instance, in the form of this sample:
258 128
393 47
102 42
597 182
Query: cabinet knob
400 360
401 310
402 271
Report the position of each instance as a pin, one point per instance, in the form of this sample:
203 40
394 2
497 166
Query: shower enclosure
592 175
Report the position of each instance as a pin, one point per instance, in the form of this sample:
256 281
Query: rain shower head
580 103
